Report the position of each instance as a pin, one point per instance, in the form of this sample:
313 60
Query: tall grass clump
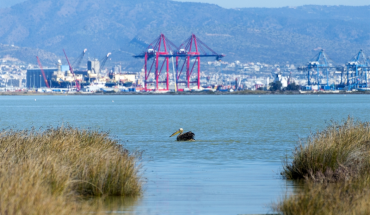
335 167
43 171
23 193
341 198
340 152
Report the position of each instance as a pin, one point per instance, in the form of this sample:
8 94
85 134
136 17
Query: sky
8 3
280 3
251 3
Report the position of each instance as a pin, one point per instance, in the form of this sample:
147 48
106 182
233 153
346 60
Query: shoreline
183 93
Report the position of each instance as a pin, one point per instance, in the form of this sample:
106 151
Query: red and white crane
43 73
78 87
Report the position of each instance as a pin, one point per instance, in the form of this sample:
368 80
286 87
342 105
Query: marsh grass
334 165
46 172
350 197
340 152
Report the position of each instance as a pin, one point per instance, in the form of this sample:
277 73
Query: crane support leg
168 74
348 76
177 71
146 70
188 71
198 73
156 72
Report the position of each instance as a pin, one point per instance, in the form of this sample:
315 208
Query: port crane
78 87
160 48
192 49
76 64
357 71
103 61
354 74
319 64
43 73
189 51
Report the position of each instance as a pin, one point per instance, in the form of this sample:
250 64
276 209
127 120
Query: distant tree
293 87
274 86
261 88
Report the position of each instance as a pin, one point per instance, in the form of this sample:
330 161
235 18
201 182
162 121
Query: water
232 167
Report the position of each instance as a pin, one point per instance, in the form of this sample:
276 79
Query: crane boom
78 61
104 60
43 73
71 69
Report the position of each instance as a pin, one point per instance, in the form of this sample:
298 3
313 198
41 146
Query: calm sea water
232 167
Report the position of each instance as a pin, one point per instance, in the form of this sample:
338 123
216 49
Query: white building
283 80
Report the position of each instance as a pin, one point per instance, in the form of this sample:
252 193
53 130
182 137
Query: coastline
184 93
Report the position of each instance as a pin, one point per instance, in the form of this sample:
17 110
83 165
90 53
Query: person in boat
188 136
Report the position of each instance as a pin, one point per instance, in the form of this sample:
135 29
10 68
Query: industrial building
62 77
59 77
34 78
15 82
93 66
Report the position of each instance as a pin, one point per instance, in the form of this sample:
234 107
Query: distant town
18 76
217 75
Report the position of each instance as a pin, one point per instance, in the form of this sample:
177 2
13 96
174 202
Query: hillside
27 54
276 35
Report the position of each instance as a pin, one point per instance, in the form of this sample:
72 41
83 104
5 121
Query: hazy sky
251 3
280 3
8 3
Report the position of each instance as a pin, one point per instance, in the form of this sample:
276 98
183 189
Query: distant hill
271 35
27 55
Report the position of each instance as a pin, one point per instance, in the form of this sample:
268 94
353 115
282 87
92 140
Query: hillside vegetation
271 35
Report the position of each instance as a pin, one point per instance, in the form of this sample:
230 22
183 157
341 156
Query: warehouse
34 78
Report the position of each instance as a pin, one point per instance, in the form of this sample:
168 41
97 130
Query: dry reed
340 152
350 197
335 167
45 172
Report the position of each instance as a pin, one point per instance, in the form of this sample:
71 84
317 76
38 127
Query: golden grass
335 167
339 152
23 193
351 197
46 172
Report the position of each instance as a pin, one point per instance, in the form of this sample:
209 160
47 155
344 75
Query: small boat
95 86
303 92
330 91
107 90
208 90
188 136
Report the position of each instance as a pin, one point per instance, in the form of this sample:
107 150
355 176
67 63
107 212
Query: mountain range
268 35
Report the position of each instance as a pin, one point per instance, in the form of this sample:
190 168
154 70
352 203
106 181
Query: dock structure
357 71
353 76
193 49
160 49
